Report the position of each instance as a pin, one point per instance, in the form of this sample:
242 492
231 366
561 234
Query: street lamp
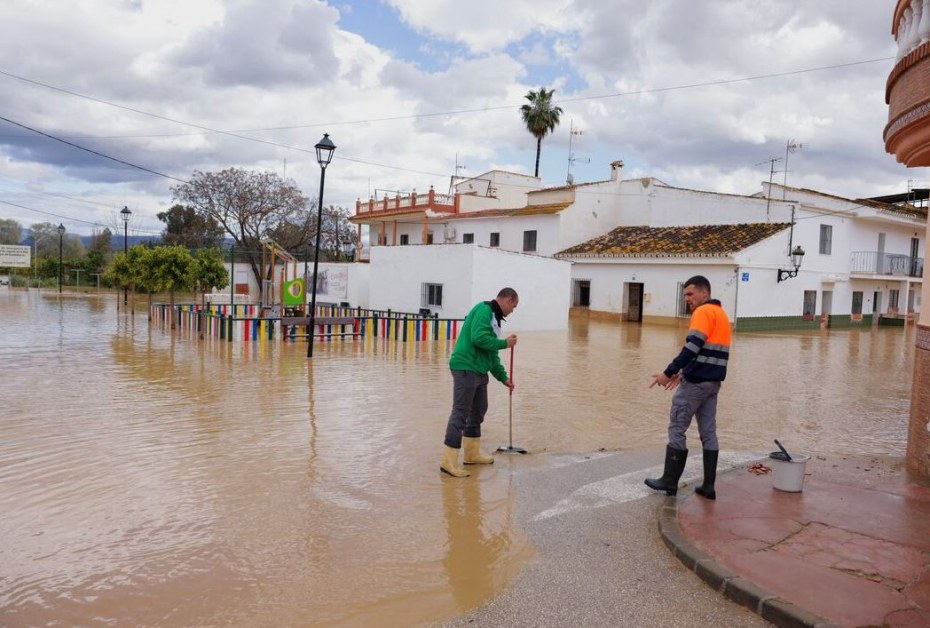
796 256
324 154
61 235
125 214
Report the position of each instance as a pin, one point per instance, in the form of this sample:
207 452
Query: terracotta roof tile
695 241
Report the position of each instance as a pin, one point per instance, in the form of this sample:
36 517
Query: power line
89 150
70 219
452 112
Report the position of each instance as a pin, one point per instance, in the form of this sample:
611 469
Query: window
495 239
810 304
468 238
681 307
529 241
826 239
857 303
431 295
429 237
893 297
581 293
404 239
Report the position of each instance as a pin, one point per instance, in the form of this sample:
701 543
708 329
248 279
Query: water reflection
152 479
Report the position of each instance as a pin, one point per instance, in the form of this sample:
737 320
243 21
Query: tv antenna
768 196
791 146
569 179
456 176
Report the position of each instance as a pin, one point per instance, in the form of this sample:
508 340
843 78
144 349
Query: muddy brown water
155 480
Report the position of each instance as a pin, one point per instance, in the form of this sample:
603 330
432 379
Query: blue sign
745 277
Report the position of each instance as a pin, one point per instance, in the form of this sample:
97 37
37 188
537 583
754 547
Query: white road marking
629 486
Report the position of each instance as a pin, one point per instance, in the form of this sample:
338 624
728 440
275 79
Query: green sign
295 292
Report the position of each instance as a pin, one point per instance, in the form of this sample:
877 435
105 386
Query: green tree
209 273
11 232
99 252
169 268
130 270
540 116
186 227
250 207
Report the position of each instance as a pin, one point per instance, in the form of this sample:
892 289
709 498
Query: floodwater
150 479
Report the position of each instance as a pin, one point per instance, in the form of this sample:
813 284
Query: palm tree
540 117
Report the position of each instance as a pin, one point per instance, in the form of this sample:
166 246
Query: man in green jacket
474 356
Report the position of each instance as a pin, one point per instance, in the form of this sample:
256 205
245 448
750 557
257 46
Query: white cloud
286 71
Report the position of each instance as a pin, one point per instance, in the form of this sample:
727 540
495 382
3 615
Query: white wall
542 283
468 274
660 278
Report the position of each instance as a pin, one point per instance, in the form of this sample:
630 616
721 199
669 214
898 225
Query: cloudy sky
700 94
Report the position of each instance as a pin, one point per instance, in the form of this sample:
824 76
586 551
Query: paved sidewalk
851 549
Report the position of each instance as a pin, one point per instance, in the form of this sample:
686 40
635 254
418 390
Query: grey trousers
469 405
694 400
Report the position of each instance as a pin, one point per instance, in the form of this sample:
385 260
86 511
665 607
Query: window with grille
893 297
857 303
810 304
495 239
431 295
529 241
826 239
404 238
681 307
468 238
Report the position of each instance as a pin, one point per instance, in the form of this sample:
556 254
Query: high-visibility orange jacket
707 348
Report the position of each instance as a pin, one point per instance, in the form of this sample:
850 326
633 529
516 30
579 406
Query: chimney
616 168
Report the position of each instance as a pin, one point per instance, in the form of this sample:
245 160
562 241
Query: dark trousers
469 405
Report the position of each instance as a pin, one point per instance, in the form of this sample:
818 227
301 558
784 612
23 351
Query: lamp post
324 154
125 214
796 256
61 235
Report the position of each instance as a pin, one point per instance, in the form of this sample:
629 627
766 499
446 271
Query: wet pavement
851 549
600 559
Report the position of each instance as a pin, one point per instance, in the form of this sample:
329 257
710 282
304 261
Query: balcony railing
875 263
431 200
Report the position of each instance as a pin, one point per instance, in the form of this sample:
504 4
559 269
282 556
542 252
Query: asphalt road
600 560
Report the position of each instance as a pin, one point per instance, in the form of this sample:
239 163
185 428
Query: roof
529 210
694 241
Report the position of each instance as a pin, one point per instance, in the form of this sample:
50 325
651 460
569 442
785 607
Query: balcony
874 263
411 203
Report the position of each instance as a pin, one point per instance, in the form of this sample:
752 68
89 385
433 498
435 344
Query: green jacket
478 343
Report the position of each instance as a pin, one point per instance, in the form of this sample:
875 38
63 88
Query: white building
861 259
631 242
448 280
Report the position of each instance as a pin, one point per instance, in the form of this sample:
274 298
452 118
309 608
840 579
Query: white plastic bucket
789 476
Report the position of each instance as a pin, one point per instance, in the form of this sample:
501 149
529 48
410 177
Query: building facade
907 137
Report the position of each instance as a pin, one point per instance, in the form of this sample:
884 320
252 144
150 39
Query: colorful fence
243 323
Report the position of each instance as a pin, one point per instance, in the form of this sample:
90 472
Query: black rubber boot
710 475
675 460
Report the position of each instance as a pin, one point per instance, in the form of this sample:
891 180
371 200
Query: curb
736 588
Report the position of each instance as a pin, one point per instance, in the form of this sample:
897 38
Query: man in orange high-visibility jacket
697 373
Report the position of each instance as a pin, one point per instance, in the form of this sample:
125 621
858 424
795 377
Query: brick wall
918 438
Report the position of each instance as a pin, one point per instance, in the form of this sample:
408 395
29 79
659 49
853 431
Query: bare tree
250 207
